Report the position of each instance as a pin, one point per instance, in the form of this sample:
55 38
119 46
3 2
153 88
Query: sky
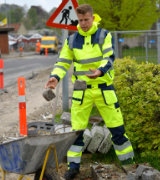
45 4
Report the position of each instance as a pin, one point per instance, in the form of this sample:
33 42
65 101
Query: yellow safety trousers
83 102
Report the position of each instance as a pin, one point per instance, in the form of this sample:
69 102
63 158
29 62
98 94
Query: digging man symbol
65 15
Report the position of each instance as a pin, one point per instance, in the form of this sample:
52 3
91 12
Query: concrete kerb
17 54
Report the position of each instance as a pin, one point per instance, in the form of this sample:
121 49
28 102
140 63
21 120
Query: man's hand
95 73
52 83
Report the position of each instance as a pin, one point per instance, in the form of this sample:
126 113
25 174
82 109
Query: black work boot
71 174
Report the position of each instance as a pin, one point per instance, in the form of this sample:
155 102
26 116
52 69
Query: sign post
65 17
65 89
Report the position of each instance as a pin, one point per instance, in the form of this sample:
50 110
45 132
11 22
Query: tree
16 14
121 15
32 16
36 18
2 16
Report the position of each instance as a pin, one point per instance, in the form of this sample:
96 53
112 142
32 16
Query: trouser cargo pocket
109 96
77 97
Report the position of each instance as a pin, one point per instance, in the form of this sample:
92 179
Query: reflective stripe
123 146
61 67
65 60
71 39
80 73
21 99
109 59
126 156
75 148
74 159
73 155
91 60
107 50
102 36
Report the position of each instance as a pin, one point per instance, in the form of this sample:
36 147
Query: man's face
85 21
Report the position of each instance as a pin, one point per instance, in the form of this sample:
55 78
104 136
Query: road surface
26 66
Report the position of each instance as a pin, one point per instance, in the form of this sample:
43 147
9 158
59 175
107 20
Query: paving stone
87 138
141 169
131 176
66 118
150 174
106 143
97 137
147 173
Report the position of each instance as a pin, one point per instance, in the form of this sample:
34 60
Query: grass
151 160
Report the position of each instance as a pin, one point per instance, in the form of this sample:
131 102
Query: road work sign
65 16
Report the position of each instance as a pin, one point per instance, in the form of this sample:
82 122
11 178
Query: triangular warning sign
64 16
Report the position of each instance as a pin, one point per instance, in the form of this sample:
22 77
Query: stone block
131 176
97 137
150 174
66 118
87 138
141 169
106 143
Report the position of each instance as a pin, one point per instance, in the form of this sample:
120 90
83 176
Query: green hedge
138 91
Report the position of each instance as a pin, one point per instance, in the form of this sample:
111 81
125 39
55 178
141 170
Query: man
38 46
91 52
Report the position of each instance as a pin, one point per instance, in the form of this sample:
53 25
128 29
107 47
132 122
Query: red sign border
50 22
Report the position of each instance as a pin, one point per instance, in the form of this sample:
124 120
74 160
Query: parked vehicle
49 44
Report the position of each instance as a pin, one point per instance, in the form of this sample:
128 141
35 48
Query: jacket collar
91 31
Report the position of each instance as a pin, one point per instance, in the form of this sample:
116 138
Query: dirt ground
37 108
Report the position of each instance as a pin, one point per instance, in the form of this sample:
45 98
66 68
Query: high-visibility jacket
91 52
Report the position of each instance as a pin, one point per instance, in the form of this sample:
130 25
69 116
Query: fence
140 45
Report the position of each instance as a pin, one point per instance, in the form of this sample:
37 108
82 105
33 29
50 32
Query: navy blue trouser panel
118 137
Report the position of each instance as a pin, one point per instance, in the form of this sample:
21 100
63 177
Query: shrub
138 91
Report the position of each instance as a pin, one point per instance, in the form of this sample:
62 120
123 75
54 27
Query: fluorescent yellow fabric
80 112
88 57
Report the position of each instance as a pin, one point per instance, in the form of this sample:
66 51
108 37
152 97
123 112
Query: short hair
84 8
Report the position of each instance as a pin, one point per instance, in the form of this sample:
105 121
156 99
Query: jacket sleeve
108 54
63 63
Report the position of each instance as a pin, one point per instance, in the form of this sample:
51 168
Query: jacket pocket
109 96
77 97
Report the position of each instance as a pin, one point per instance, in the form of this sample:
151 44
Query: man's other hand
95 73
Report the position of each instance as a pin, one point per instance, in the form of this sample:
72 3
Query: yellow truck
49 44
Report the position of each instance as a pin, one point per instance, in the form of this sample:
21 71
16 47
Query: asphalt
17 54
